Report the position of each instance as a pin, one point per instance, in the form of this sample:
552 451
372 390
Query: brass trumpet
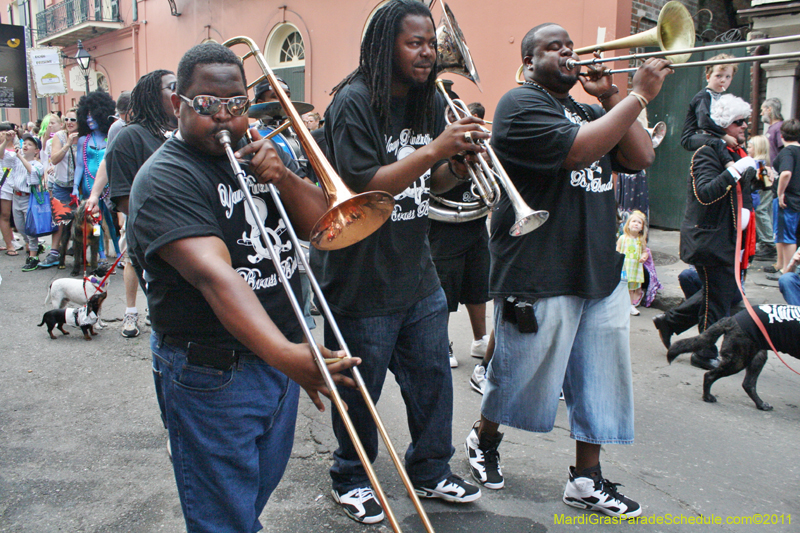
352 218
454 56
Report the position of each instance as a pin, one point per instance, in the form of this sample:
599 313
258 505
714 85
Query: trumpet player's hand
593 80
307 375
462 135
266 165
648 79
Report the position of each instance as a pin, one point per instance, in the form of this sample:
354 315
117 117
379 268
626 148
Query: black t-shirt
454 239
132 146
180 193
789 160
574 252
391 269
782 323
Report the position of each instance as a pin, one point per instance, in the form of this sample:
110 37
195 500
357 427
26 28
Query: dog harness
77 317
782 323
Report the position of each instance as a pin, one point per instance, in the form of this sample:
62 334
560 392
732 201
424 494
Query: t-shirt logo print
590 178
419 190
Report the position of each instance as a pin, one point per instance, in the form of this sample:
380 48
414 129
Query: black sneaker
484 459
360 504
591 491
41 249
453 488
32 263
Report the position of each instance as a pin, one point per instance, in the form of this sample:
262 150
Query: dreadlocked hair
376 62
146 108
102 108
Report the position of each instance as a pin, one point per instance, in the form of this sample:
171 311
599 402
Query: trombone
454 57
674 35
344 219
351 217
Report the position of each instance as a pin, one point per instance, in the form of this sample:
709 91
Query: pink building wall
332 33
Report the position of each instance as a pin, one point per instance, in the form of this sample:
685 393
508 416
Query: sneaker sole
130 335
580 504
364 520
475 387
426 493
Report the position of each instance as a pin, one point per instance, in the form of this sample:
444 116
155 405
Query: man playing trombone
224 333
386 131
561 311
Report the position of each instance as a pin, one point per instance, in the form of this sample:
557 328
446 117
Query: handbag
39 220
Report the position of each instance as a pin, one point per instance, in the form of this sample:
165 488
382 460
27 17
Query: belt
20 193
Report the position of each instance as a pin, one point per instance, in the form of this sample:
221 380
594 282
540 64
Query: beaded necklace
91 176
575 103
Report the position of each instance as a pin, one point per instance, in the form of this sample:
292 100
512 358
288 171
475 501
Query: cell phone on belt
521 313
200 355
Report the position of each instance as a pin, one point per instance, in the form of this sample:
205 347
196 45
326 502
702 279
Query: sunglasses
209 106
67 119
171 86
740 122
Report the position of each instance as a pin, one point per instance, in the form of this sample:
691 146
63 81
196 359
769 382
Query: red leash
737 267
110 270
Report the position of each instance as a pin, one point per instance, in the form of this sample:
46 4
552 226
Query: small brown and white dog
78 317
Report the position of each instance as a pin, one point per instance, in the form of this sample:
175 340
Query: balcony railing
71 13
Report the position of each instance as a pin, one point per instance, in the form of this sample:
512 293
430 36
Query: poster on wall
47 71
13 68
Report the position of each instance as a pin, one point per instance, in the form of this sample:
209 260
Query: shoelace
363 494
610 488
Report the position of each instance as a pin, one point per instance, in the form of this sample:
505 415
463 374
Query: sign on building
13 68
47 71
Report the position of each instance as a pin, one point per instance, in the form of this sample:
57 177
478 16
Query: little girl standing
632 243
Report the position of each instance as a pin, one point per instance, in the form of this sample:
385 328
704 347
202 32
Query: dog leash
110 270
737 267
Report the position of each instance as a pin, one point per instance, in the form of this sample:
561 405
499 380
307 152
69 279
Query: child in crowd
633 243
698 128
26 170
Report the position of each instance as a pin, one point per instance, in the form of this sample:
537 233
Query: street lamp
83 58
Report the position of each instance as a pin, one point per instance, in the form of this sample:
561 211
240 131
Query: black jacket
708 232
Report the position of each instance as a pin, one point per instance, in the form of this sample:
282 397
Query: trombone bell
657 133
452 49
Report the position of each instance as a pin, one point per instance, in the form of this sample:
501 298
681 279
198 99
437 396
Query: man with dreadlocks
386 131
151 119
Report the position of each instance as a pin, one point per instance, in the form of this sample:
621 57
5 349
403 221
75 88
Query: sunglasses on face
210 105
171 86
67 119
740 122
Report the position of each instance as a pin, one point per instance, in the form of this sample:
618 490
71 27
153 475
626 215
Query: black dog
744 346
80 317
75 231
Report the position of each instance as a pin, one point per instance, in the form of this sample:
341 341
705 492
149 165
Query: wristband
642 100
608 94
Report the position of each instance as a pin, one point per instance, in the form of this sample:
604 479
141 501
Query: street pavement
82 448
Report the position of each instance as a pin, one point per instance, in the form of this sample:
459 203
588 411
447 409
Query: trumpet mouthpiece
223 136
571 64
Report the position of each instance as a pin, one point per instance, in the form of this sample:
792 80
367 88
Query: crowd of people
228 355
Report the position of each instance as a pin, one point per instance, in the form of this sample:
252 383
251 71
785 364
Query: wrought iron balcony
66 22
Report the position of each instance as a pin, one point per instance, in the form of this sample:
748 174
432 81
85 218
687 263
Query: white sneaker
634 311
453 360
600 495
129 325
479 347
478 379
360 504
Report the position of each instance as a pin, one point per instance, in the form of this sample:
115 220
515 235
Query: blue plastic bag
39 221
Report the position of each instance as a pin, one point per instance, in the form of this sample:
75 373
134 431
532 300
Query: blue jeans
413 345
582 346
790 287
231 434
